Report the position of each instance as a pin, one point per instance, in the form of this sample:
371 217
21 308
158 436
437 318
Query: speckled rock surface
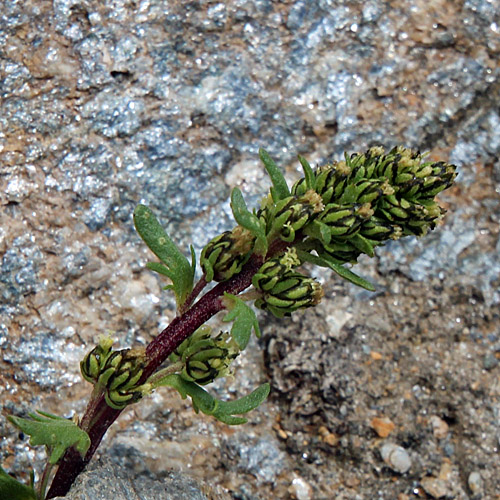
105 104
105 480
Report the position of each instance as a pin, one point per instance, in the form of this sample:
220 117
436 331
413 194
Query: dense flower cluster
336 212
117 372
204 356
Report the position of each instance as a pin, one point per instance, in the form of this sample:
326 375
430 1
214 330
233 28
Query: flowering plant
328 218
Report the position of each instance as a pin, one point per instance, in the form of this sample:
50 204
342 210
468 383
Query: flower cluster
331 216
373 197
205 357
283 289
225 255
116 372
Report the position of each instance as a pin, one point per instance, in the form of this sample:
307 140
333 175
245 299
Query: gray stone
104 480
396 457
107 104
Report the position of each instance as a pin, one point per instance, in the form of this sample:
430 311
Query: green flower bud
445 171
423 189
225 255
121 375
379 230
398 166
292 292
414 218
293 213
93 363
367 191
342 220
428 181
331 181
205 357
362 166
201 334
342 251
395 209
271 271
422 218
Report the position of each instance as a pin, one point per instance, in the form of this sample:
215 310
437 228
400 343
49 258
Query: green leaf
244 404
362 244
280 188
244 320
308 173
12 489
206 403
320 231
249 221
56 433
176 265
349 195
202 400
324 260
159 268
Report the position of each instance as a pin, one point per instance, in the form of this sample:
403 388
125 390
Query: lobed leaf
223 411
56 433
176 265
246 403
280 189
244 320
12 489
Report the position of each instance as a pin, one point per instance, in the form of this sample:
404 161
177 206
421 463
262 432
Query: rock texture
105 104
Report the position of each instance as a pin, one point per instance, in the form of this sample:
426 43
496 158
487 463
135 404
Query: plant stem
44 480
192 296
99 416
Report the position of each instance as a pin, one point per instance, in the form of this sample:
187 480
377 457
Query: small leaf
244 320
349 195
176 266
280 189
204 402
362 244
12 489
325 260
56 433
159 268
308 173
248 220
244 404
320 231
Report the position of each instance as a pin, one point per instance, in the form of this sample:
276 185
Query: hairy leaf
12 489
244 320
280 188
327 261
176 265
206 403
56 433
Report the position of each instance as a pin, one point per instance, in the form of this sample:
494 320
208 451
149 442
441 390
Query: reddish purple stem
99 416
